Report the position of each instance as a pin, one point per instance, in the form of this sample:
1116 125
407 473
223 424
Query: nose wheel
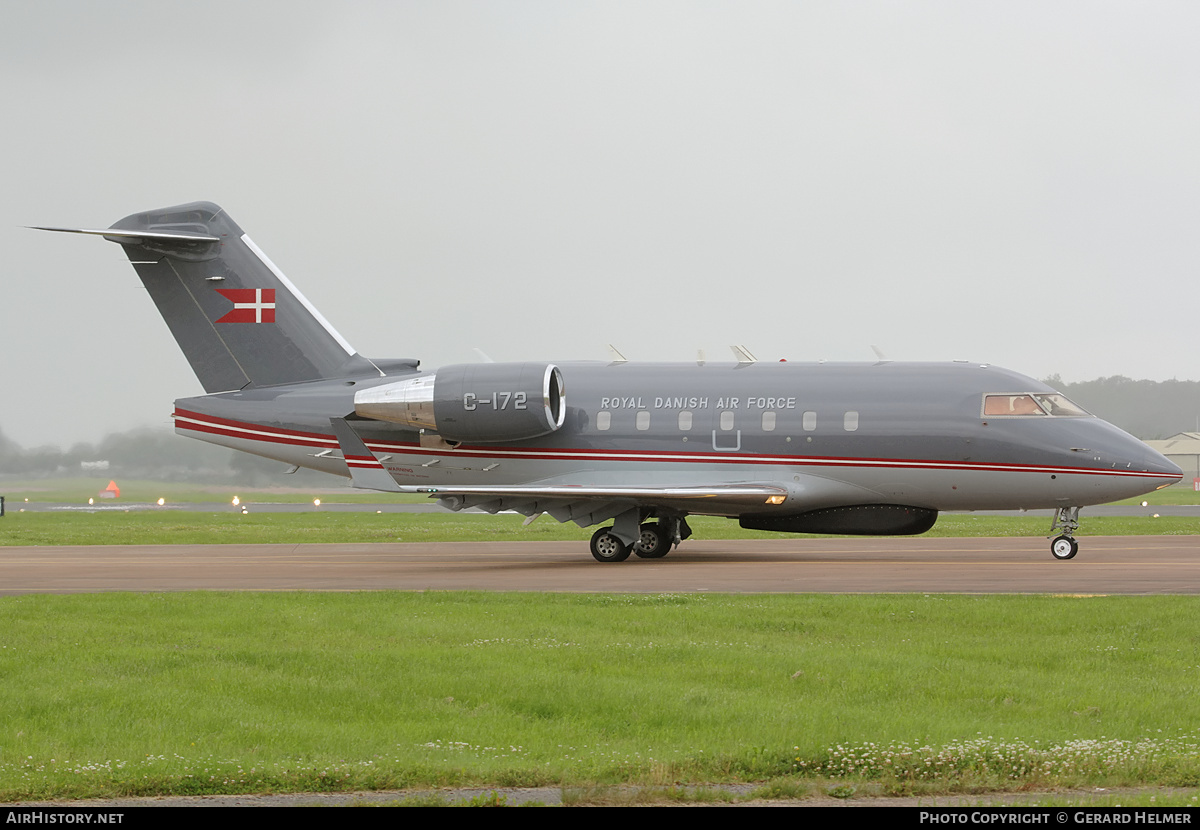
1066 520
1064 547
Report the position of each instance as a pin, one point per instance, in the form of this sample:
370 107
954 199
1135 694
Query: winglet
743 355
366 473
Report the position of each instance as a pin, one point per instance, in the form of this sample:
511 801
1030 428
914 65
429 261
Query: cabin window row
726 420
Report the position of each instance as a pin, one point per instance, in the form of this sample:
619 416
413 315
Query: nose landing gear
1066 520
1064 547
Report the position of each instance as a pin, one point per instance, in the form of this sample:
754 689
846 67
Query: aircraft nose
1135 467
1140 457
1164 466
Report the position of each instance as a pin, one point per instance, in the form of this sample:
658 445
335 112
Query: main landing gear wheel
608 548
1064 547
653 543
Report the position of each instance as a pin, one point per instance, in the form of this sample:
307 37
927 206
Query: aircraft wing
589 505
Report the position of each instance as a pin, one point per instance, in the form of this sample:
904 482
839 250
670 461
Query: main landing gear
1064 546
608 548
654 541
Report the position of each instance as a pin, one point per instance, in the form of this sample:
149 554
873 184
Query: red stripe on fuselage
199 422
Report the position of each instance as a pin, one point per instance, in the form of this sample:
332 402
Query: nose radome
1164 466
1117 449
1150 460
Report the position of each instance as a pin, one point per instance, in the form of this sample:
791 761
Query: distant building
1184 450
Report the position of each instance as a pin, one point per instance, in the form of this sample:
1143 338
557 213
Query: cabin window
768 422
809 421
685 421
603 420
727 419
643 419
850 422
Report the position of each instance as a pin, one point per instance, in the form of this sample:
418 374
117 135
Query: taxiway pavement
1105 565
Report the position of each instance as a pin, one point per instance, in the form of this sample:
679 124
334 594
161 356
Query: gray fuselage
831 434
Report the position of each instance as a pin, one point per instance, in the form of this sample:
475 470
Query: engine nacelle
473 402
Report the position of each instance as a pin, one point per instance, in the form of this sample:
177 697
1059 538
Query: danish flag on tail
250 305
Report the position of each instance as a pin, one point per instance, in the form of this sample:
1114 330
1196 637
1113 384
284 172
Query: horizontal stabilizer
130 237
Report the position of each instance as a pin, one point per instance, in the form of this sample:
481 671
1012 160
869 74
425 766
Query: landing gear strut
1066 520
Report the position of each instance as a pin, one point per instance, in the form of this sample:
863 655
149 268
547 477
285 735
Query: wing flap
722 492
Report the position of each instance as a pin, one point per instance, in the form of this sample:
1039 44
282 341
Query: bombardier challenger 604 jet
854 448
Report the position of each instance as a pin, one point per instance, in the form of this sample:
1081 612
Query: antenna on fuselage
617 356
743 355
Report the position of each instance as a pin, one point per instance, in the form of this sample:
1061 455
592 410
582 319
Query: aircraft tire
1064 547
608 548
653 543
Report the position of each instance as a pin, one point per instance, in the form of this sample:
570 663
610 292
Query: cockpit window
1030 404
1011 405
1058 405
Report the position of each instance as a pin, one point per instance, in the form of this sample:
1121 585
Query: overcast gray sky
1008 182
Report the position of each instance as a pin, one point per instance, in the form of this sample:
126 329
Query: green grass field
128 694
201 692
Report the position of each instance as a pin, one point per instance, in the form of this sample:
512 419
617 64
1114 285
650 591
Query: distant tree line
1145 408
153 454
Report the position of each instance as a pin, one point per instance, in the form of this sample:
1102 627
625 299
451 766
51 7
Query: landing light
236 501
316 502
161 502
776 499
1145 504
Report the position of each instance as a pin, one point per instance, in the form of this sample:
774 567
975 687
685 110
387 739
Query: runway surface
1105 565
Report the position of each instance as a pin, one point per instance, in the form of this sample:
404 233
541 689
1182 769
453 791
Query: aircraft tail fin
239 321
